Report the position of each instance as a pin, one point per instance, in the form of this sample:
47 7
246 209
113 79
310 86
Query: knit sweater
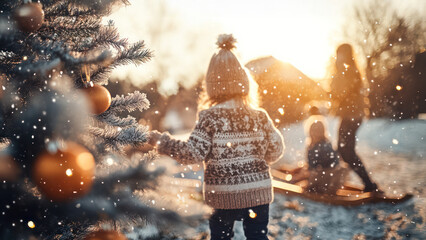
236 144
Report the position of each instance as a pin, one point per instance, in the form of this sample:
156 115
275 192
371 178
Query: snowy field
394 153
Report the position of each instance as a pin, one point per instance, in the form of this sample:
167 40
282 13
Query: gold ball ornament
65 174
29 16
105 235
99 97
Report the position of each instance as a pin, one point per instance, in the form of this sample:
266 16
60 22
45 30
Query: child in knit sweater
237 142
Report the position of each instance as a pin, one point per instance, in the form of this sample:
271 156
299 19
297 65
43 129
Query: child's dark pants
255 222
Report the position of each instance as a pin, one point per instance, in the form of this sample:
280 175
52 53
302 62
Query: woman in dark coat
346 90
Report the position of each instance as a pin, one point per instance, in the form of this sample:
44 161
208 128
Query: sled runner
294 182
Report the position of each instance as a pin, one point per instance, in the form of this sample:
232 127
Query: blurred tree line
391 45
283 92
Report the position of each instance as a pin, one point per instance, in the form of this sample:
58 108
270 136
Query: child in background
237 142
326 173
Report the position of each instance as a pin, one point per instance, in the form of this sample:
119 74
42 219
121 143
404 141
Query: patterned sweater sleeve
195 149
276 145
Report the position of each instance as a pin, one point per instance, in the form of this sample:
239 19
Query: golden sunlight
301 33
303 49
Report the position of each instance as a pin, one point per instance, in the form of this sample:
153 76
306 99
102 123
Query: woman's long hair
346 64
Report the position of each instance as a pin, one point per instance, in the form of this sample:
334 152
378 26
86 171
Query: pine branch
136 54
131 102
116 139
33 111
66 29
58 50
111 198
63 8
108 36
100 7
67 58
97 7
101 75
116 121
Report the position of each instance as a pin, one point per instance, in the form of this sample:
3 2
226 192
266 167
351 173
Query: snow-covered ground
394 153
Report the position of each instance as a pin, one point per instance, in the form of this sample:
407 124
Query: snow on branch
131 102
136 54
100 7
108 36
69 28
116 121
117 138
57 50
63 8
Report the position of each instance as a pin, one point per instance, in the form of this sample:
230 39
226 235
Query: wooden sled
294 182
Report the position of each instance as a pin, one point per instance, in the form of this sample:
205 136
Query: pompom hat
225 75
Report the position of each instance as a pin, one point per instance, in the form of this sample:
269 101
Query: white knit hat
226 75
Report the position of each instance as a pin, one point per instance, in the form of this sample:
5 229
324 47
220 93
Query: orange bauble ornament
65 174
29 16
105 235
99 97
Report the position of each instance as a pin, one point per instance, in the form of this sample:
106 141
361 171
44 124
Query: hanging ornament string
99 96
86 81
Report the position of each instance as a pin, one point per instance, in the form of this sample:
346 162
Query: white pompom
226 41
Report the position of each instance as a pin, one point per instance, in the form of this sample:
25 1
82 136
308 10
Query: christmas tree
60 129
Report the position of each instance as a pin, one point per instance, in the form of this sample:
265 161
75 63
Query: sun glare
293 36
300 50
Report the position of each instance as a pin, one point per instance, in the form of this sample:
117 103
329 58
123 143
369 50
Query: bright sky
298 32
183 33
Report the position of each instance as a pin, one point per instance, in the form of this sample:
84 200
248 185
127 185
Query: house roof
272 69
